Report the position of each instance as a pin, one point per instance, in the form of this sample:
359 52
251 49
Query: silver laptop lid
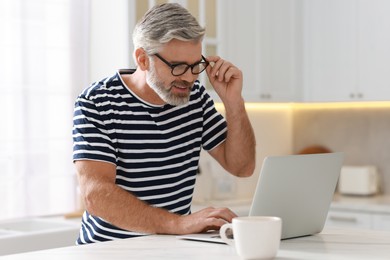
298 189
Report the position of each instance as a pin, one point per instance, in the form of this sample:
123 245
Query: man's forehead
182 51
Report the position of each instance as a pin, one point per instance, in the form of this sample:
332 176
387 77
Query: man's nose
188 76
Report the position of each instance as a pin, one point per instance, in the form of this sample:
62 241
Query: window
43 66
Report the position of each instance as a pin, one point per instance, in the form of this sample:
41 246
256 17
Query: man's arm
107 200
237 154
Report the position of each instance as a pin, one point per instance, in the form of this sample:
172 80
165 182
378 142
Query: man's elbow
90 203
93 200
246 170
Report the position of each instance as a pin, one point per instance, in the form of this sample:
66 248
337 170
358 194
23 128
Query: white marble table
330 244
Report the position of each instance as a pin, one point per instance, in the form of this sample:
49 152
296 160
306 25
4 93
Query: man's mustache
181 84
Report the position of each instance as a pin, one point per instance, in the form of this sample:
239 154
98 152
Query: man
138 134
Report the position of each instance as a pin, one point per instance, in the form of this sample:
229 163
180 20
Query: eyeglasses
179 69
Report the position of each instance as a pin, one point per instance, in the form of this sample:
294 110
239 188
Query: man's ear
142 59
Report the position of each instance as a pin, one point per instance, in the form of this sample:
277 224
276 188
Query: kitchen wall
272 125
360 130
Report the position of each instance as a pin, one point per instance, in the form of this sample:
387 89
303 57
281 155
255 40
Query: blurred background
316 72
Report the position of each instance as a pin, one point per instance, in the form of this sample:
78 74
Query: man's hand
204 220
225 78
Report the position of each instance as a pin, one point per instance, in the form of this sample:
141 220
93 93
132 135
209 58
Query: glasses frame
192 66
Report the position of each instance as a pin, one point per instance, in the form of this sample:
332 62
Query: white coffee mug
255 237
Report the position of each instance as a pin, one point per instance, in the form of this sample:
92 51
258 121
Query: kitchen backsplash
273 130
361 132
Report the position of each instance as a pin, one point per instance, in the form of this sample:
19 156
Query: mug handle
222 233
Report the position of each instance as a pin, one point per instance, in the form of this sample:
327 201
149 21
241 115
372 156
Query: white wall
110 37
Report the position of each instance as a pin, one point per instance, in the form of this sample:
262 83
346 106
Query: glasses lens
179 69
200 67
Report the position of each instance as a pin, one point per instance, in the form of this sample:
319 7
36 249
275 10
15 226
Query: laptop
297 188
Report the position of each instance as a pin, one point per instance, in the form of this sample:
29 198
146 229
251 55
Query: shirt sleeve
214 124
91 138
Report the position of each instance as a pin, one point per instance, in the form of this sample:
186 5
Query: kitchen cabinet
353 219
347 54
300 50
348 219
264 41
360 212
381 221
304 50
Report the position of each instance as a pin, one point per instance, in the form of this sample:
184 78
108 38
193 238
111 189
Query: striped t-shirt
155 148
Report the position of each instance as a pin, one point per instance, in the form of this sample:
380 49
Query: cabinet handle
356 95
265 96
343 219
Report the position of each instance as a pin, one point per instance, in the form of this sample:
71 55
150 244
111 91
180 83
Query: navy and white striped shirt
155 148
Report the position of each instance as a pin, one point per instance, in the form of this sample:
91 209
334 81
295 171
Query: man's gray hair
163 23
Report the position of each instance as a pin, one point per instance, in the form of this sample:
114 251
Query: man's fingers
222 213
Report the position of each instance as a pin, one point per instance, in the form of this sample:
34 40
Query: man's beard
165 93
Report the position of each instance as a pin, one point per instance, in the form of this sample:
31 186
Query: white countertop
370 204
330 244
